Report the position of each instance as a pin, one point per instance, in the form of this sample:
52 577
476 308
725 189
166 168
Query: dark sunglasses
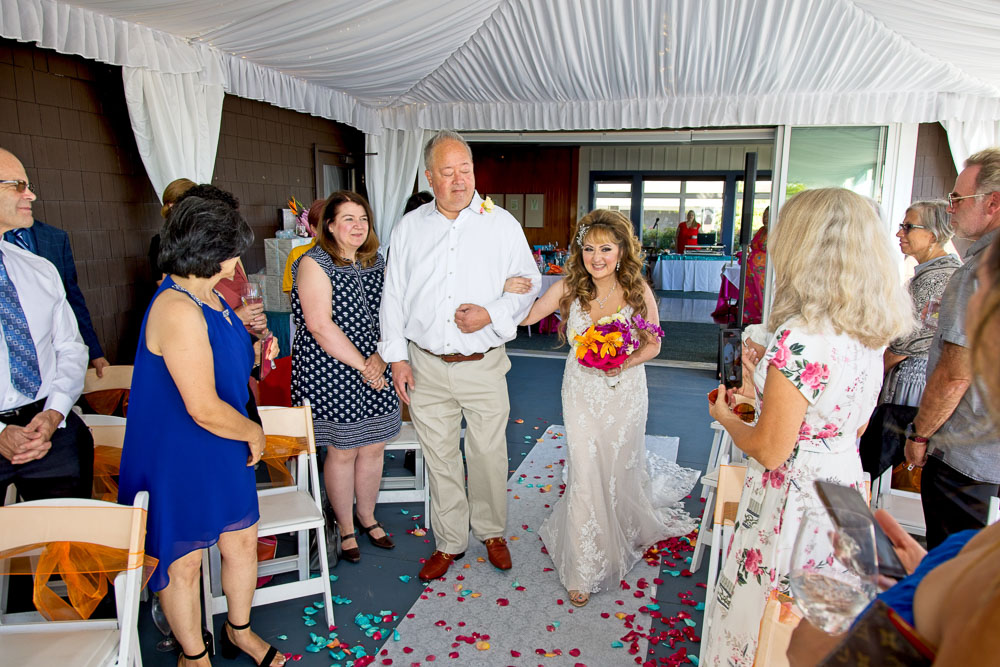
21 186
906 227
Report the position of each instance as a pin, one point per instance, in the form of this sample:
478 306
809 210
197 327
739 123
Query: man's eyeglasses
955 197
906 227
20 186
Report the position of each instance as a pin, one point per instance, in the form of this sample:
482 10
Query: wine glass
251 296
834 569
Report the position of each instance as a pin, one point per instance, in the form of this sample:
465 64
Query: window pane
709 187
614 187
761 189
671 187
838 157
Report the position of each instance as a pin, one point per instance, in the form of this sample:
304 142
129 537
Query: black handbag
884 441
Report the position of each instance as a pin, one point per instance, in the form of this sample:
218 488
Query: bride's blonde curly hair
603 226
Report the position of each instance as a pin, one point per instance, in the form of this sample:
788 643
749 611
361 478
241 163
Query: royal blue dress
199 484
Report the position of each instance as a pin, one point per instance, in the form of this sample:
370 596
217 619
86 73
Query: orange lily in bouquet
608 343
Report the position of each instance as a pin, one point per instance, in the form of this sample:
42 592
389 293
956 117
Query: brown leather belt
456 358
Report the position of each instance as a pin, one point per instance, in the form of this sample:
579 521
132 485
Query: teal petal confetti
334 577
514 584
617 644
282 637
385 612
405 578
466 592
688 622
395 635
555 624
652 606
693 658
310 610
700 606
404 511
314 649
309 621
319 605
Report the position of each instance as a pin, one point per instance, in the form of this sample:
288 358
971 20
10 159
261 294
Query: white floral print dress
841 379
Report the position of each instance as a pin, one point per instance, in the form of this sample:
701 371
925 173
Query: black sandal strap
194 657
237 627
268 657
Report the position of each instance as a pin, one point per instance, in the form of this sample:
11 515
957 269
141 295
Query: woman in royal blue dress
188 440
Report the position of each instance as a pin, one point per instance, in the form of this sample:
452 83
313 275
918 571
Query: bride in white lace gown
618 500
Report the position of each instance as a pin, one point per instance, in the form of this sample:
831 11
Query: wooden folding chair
27 638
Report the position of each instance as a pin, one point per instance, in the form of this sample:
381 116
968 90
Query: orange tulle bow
277 450
86 568
106 401
107 463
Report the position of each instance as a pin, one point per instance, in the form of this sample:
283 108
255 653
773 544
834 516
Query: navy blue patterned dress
347 413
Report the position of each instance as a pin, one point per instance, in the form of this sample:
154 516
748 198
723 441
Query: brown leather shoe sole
437 565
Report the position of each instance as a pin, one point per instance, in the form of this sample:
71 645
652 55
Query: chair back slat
71 520
115 377
108 435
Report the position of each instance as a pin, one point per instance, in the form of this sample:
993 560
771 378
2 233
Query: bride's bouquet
608 343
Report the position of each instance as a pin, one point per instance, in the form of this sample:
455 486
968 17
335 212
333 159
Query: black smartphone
731 357
837 498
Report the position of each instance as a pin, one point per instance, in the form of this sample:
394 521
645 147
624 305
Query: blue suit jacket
53 245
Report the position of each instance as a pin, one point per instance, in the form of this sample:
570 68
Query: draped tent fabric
394 157
966 138
176 119
396 69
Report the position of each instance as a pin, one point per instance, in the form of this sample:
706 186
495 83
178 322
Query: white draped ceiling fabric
558 64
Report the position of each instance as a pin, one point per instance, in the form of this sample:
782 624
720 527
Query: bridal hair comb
581 234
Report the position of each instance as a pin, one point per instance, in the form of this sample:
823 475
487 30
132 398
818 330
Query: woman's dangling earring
618 265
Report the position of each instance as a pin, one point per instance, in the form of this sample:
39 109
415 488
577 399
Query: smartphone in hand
731 357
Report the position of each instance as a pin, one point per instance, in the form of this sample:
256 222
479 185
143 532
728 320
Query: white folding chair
284 509
27 638
723 452
103 420
407 488
728 492
904 506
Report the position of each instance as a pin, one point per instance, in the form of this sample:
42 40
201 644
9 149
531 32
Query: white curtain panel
395 157
176 120
968 137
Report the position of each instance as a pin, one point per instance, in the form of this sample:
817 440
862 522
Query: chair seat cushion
79 647
287 512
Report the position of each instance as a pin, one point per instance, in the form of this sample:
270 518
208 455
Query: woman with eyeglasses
925 230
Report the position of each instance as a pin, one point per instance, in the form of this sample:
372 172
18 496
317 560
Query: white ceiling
569 64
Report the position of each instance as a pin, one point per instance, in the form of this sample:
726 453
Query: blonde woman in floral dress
838 302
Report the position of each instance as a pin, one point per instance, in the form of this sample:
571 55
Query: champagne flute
251 295
834 569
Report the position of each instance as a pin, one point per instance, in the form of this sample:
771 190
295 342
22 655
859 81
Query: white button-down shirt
62 356
437 264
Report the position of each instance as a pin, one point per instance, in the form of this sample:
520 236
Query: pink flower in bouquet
607 344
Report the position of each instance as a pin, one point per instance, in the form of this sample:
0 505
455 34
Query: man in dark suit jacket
52 243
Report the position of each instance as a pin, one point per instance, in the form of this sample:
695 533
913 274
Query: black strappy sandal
190 658
230 650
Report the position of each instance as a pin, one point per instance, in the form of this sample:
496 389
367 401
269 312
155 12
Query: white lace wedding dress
618 500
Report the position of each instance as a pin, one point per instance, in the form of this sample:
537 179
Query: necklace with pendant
601 302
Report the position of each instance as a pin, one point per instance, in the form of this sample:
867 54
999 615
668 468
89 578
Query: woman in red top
687 233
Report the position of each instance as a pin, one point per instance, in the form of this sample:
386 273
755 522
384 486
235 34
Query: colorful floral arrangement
607 344
301 214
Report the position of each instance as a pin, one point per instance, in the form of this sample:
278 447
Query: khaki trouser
444 392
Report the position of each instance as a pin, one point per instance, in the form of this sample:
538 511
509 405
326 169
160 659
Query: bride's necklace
601 302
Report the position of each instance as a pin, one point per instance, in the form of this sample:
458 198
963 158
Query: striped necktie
24 371
18 237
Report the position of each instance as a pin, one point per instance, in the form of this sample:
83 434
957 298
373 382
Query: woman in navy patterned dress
335 302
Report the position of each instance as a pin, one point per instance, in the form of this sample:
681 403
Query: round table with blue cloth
199 484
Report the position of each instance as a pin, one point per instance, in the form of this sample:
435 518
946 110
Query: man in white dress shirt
445 319
45 449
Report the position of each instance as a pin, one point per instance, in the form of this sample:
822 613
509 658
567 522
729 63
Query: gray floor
677 407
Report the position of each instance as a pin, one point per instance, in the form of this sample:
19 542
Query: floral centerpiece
608 343
301 214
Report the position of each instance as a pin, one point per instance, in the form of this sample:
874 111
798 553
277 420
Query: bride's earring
618 265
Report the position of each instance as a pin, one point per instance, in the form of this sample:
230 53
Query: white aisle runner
523 615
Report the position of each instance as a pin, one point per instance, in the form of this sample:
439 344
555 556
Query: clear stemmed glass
834 569
251 295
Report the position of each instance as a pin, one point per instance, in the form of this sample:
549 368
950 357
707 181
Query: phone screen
837 498
731 357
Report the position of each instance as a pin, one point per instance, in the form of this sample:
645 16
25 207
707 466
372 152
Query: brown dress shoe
437 565
499 554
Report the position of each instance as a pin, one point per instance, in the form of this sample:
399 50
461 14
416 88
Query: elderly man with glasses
45 449
951 436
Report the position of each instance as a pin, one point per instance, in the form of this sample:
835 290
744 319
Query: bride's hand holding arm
544 305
